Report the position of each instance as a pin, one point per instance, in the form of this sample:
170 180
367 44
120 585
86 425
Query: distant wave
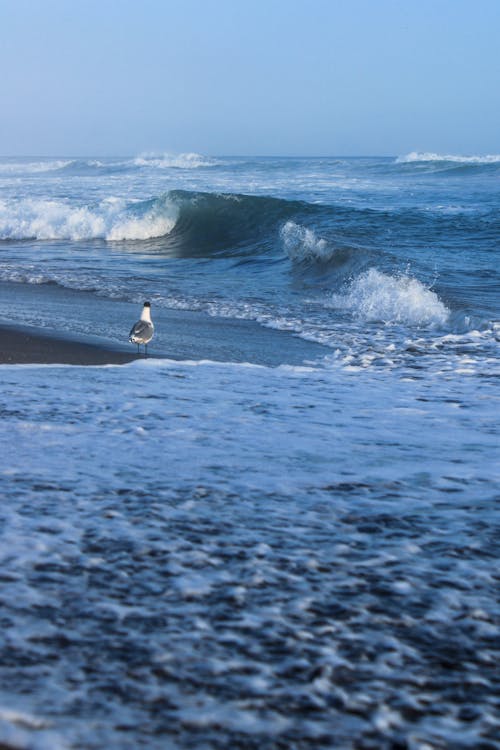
109 165
417 156
378 296
178 161
33 167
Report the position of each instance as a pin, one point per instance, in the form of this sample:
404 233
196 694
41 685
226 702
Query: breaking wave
112 219
376 296
302 243
198 222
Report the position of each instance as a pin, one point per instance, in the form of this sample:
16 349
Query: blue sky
270 77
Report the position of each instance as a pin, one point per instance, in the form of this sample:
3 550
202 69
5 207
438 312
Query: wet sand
24 345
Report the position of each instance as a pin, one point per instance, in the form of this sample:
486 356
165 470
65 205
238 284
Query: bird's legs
137 348
145 350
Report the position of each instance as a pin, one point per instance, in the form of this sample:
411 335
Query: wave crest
417 156
374 295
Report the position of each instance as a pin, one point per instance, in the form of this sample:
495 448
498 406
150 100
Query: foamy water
221 543
379 297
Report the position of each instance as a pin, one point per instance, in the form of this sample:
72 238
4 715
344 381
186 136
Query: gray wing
141 329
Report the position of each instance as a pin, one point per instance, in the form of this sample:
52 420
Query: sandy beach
25 345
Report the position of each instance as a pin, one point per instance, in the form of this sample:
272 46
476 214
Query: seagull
142 331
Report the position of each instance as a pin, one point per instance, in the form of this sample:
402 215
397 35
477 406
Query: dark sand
22 345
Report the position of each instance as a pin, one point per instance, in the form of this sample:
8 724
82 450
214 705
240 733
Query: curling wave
213 222
193 222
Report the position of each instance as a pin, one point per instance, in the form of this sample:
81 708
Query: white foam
179 161
111 219
392 299
416 156
301 243
20 730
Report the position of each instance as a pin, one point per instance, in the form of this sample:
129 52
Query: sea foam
374 295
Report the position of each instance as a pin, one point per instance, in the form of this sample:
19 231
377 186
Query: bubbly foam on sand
232 552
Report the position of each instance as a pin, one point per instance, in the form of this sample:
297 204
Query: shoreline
30 345
57 325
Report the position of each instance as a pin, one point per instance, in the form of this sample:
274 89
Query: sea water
281 529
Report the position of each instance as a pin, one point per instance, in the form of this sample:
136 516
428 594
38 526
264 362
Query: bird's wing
139 328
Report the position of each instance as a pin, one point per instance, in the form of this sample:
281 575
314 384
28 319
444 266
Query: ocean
281 529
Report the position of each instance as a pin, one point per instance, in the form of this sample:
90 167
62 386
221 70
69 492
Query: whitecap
302 243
